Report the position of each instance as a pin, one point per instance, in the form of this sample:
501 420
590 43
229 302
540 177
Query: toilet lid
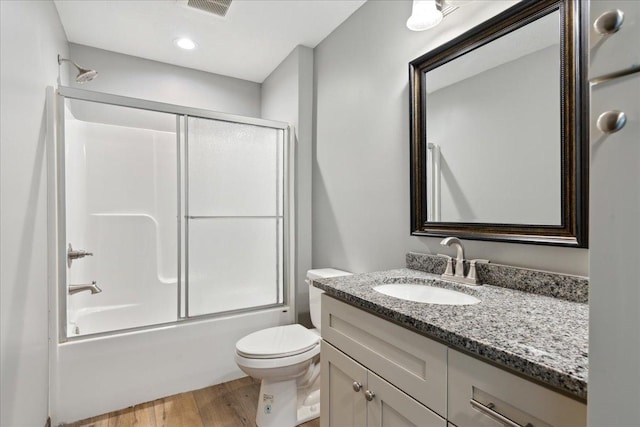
281 341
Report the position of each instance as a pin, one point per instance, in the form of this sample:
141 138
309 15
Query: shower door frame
182 113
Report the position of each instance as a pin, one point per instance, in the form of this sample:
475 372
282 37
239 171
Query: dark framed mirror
499 130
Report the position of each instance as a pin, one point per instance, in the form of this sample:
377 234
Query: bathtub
92 376
100 319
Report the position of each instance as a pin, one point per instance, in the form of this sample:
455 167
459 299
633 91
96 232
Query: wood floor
231 404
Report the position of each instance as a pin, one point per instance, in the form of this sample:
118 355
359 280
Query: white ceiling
249 43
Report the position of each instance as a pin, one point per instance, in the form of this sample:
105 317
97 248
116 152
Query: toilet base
283 404
277 404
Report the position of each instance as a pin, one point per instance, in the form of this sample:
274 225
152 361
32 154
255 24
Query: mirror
498 145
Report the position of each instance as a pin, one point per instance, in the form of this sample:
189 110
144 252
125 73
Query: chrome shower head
84 75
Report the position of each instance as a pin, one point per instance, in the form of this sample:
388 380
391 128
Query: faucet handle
76 254
472 275
449 270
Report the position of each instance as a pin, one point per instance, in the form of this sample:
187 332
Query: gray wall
287 96
31 37
361 168
135 77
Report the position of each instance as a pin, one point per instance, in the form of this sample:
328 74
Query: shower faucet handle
76 254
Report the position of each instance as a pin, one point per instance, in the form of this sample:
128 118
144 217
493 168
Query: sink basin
428 294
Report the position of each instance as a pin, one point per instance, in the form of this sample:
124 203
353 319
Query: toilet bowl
286 360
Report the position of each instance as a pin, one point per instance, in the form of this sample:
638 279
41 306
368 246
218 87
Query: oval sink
428 294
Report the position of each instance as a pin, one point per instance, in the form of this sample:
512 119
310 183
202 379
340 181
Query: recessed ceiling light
185 43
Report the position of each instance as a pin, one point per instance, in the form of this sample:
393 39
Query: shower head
84 75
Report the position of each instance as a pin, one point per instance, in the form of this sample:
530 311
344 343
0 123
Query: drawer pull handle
609 22
357 386
369 395
611 121
488 411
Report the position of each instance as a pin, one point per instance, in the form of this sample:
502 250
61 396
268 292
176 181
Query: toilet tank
315 293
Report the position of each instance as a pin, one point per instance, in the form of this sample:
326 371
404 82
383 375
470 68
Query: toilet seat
279 347
278 342
278 362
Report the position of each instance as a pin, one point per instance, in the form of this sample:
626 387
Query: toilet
287 361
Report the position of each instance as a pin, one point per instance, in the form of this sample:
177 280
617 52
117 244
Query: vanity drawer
411 362
617 51
477 391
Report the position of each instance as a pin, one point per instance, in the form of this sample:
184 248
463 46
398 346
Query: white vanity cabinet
402 375
376 373
352 395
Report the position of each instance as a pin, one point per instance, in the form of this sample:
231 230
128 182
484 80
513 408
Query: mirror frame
573 129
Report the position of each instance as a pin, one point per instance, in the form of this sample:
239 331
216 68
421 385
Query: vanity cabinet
417 381
352 395
406 372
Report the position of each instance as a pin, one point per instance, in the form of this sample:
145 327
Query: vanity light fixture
424 15
185 43
427 14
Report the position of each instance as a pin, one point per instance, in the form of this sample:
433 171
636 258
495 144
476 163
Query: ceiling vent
217 7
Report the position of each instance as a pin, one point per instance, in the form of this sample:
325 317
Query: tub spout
74 289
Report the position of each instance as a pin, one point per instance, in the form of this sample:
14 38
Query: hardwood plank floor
231 404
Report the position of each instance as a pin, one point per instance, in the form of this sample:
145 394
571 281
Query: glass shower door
185 212
120 188
234 216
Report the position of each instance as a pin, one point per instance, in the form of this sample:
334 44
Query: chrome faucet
459 276
74 289
454 241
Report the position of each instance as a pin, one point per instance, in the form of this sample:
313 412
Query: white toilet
287 360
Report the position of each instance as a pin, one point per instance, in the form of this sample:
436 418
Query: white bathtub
93 376
96 320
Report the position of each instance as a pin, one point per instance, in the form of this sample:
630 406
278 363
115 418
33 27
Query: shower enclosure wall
185 216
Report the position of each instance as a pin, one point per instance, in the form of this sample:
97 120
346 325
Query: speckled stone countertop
539 336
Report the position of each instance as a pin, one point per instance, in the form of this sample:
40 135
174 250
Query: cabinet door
340 404
481 395
614 294
390 407
619 50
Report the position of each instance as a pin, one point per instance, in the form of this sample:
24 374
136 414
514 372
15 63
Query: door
390 407
235 222
342 390
614 266
118 192
614 294
164 216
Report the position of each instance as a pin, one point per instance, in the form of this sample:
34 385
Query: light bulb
424 15
185 43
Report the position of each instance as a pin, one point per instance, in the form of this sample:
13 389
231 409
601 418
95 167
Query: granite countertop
541 337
